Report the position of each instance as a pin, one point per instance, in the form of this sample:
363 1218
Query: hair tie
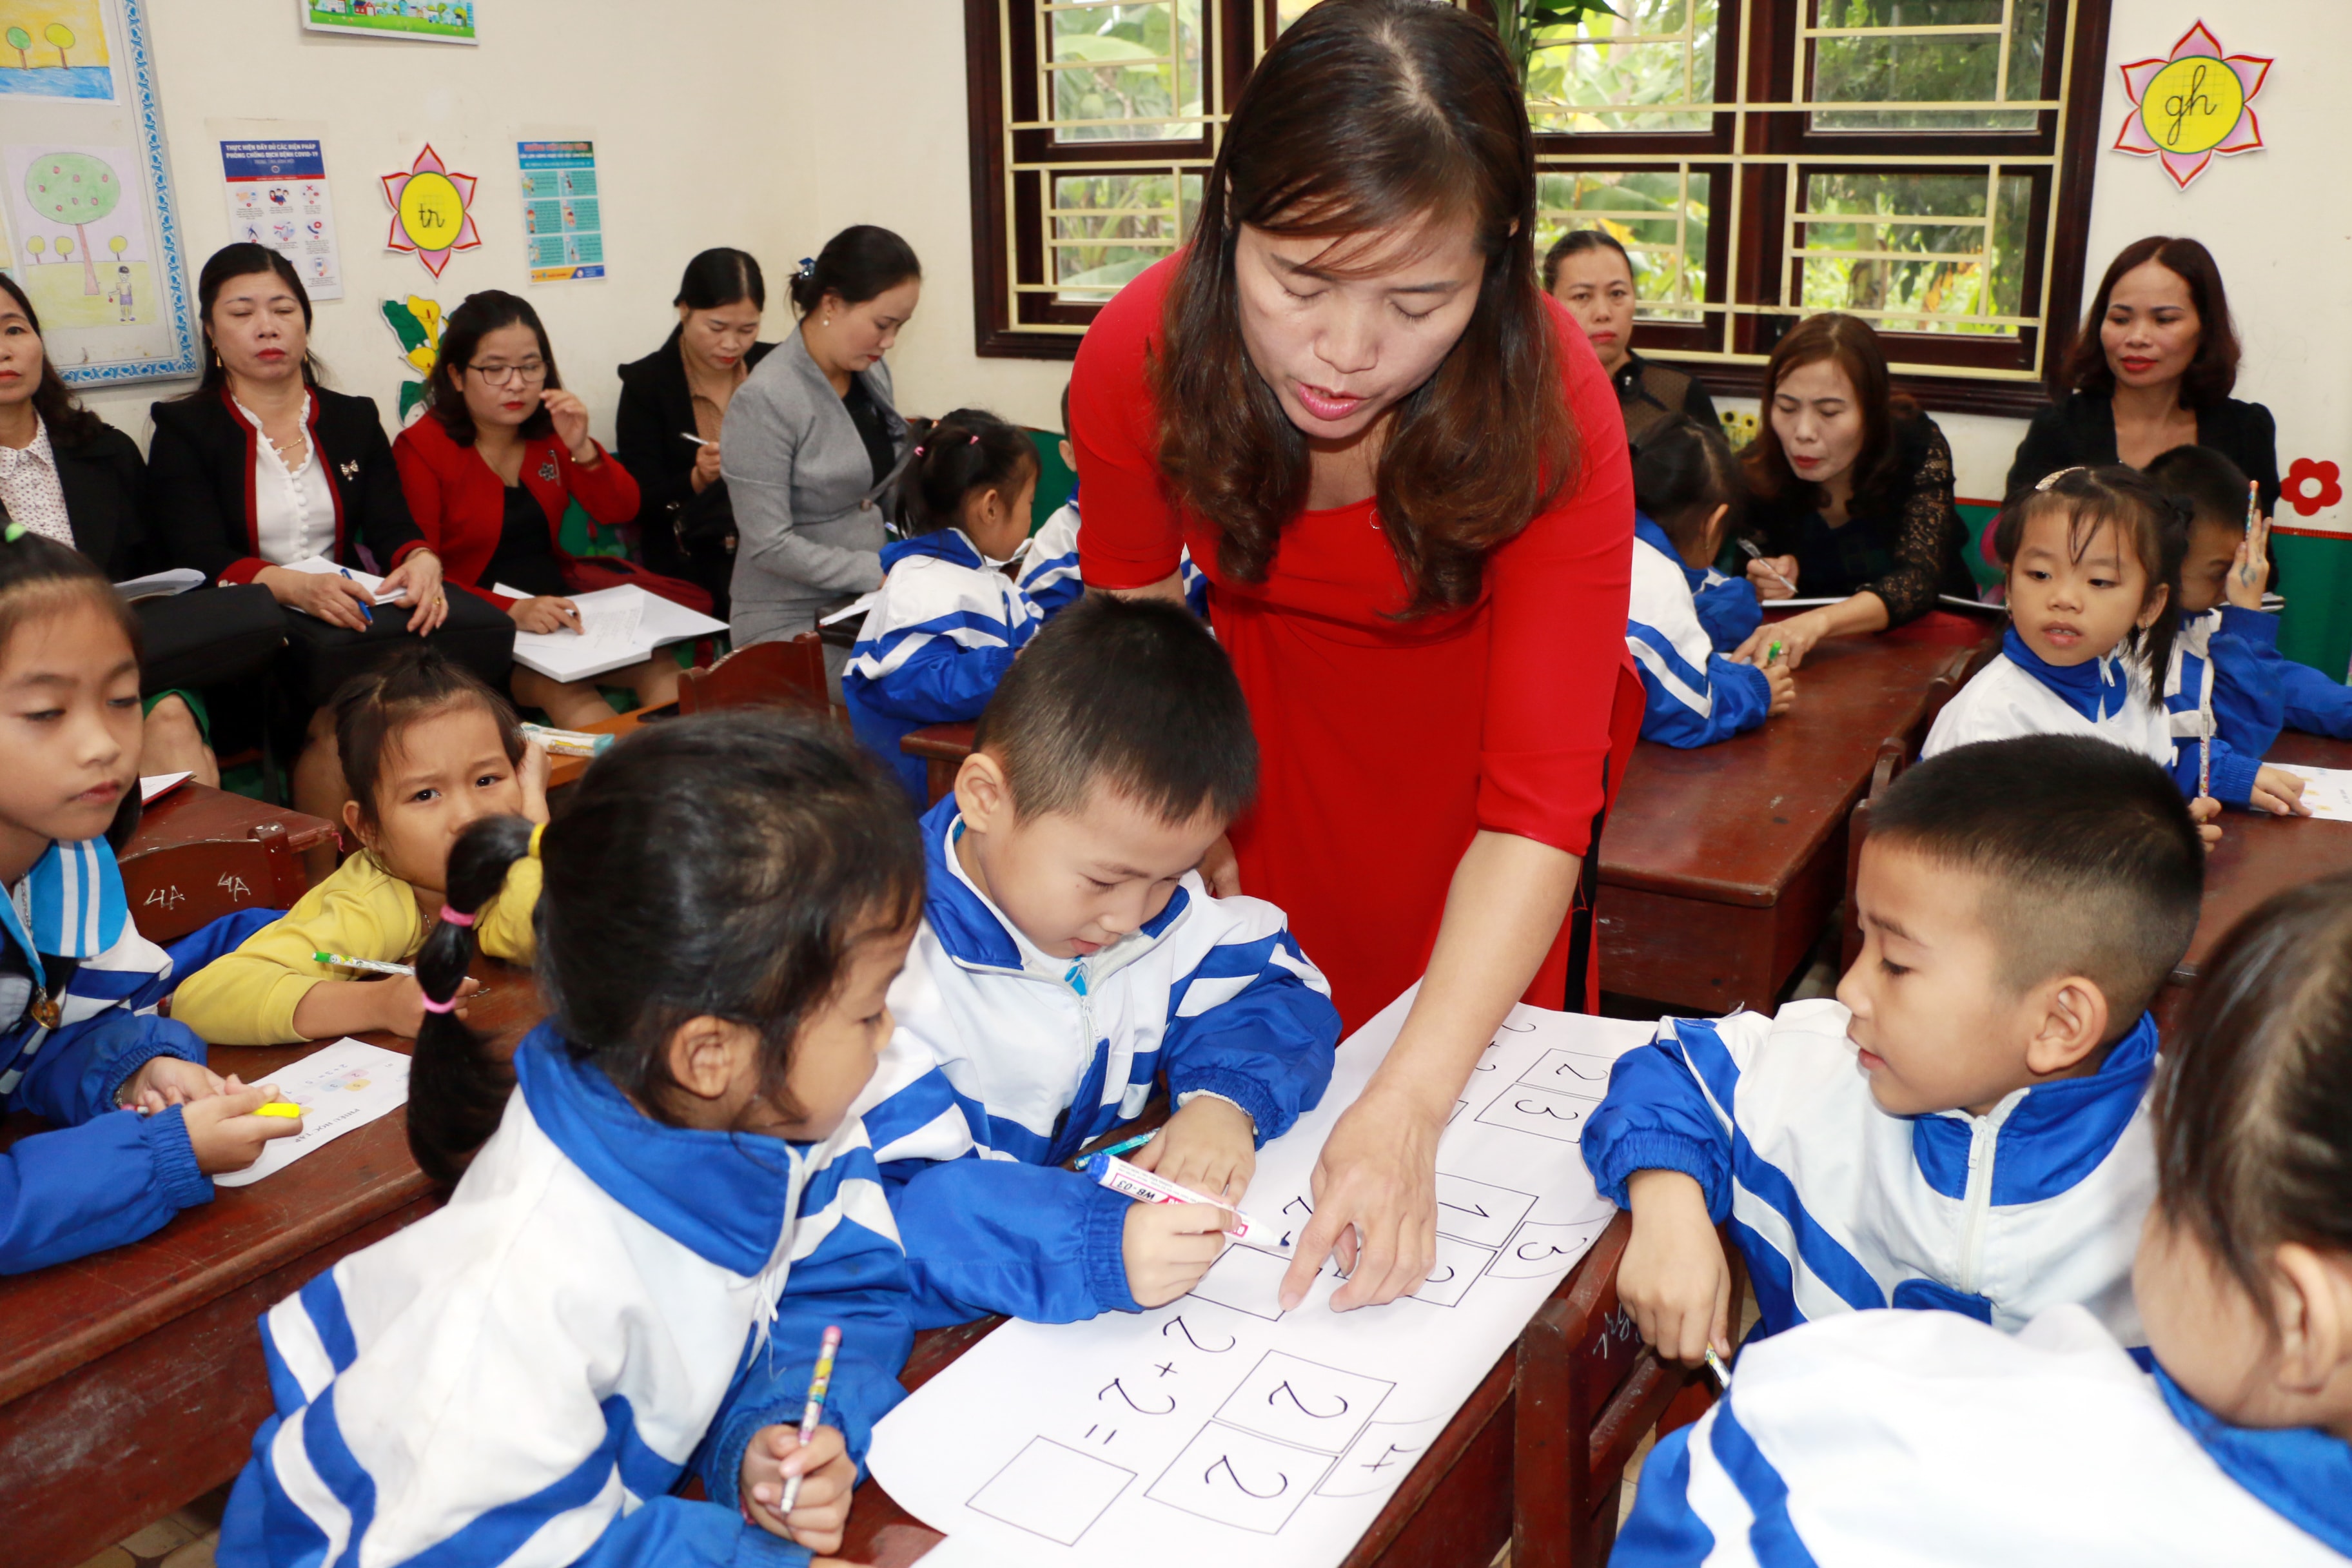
453 917
2049 479
808 267
919 452
972 439
536 833
433 1006
13 533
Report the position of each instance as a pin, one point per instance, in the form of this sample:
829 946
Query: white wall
692 144
773 125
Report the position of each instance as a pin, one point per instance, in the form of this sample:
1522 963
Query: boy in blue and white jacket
949 618
1070 955
1049 571
1965 1128
1686 487
2228 685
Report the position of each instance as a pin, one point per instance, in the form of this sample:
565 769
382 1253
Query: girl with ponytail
950 617
428 748
603 1302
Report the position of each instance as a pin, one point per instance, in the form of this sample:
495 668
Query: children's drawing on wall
56 49
91 266
417 322
439 21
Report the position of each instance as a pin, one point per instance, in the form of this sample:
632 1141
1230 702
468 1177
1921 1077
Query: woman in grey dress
811 439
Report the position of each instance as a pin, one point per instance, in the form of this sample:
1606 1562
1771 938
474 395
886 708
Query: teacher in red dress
1405 475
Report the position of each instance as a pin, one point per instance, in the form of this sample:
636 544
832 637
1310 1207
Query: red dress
1384 745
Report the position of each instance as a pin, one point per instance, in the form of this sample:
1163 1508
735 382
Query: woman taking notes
1406 478
673 404
2152 368
812 438
1852 494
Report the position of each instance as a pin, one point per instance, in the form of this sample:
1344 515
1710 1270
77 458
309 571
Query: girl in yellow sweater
427 749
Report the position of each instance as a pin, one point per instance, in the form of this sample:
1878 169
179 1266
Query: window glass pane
1285 12
1626 73
1917 246
1874 55
1662 229
1118 73
1109 228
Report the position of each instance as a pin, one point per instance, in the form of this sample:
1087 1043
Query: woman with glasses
489 470
261 469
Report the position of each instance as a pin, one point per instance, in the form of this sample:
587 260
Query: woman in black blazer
67 474
261 468
2152 368
673 404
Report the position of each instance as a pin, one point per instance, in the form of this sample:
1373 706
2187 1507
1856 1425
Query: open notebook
619 626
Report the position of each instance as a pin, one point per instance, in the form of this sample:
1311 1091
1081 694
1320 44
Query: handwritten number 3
1524 1108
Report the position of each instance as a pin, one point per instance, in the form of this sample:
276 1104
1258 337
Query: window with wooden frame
1924 164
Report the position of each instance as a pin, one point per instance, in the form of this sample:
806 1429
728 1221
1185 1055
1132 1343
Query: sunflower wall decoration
2192 106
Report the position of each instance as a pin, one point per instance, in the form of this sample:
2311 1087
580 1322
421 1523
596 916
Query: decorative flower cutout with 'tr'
429 211
2323 474
2191 105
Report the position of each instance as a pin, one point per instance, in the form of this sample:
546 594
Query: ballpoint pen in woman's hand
1747 547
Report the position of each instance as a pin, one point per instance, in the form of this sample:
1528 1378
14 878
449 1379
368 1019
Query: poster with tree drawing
92 233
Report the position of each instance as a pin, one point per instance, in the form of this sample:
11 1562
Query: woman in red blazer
489 472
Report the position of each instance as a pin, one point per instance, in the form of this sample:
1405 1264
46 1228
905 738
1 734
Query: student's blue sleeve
1686 707
1253 1022
2307 699
858 1287
80 1069
941 682
1728 609
1034 1242
2230 773
671 1530
215 939
1661 1111
1056 590
2312 703
2249 677
1663 1531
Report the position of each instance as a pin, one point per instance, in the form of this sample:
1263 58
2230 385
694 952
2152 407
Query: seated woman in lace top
1853 491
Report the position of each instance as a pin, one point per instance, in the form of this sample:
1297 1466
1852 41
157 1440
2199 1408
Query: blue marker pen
1130 1145
366 613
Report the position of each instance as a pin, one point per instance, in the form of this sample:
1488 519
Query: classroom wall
773 126
696 146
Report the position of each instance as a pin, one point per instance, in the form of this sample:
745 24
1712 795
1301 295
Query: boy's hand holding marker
1172 1233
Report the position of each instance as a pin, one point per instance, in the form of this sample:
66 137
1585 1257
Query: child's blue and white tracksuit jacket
1838 1206
524 1376
1007 1061
2020 694
1049 573
939 637
1695 697
105 1176
1727 606
2224 688
1924 1439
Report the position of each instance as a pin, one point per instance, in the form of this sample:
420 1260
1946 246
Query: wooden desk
132 1382
1534 1457
201 852
563 771
2261 855
943 748
1719 864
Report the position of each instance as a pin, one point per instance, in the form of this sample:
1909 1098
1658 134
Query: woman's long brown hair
1373 115
1851 343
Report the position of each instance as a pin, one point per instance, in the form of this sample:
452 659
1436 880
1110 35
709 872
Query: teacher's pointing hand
1375 1204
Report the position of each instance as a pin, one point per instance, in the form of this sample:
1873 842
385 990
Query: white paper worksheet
340 1087
618 626
2327 791
1219 1429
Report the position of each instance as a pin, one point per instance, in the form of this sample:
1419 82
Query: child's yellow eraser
284 1108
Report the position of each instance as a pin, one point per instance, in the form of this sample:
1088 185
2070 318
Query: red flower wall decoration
2325 476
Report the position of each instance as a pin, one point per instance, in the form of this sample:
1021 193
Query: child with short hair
949 618
1070 955
1963 1127
2227 686
1687 492
427 749
602 1303
2094 563
1916 1437
141 1123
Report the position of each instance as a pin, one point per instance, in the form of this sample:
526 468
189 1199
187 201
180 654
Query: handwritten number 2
1284 1387
1116 1386
1186 1330
1281 1481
